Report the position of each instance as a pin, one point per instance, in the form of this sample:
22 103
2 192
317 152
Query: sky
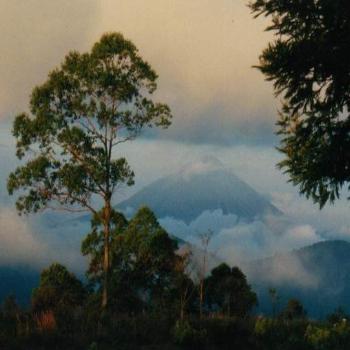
203 52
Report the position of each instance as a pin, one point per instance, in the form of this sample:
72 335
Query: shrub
186 335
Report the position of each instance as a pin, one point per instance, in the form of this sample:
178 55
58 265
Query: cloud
35 36
255 165
18 244
241 243
214 221
24 242
202 50
287 269
237 241
332 222
247 241
29 239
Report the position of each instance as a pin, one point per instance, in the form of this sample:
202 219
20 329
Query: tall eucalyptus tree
87 107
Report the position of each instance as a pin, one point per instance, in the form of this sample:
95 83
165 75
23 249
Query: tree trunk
182 308
229 306
201 297
106 256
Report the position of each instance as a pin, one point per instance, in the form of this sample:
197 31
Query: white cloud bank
239 243
18 244
23 243
236 241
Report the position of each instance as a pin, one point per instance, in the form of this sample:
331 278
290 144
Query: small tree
337 316
202 267
228 290
152 257
57 298
58 290
294 310
88 106
10 317
309 63
185 287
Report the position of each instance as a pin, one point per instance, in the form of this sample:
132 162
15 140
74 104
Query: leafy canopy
58 289
89 105
143 258
293 310
228 289
309 64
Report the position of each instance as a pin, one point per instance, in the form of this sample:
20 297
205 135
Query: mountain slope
318 275
199 187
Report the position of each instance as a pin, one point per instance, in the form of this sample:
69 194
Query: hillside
318 275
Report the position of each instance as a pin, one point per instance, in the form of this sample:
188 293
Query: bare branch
68 209
128 138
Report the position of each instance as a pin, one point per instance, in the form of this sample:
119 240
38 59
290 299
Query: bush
280 334
186 335
318 337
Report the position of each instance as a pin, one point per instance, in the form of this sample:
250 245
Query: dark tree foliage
293 310
143 262
58 290
10 317
309 64
228 290
339 315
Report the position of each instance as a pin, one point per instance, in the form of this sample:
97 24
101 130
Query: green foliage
58 288
337 316
151 252
309 64
263 326
186 335
88 105
227 289
280 334
143 261
93 244
318 336
322 337
115 330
